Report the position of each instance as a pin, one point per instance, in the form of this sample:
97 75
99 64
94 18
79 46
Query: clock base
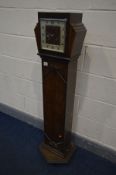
53 156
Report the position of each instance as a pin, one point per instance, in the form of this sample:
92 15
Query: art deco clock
59 39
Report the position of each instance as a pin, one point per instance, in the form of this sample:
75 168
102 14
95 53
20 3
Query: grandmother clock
59 39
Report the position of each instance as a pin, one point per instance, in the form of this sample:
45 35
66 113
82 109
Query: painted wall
20 67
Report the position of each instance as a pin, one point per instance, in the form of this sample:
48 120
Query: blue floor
19 154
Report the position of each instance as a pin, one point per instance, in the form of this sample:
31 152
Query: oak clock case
59 38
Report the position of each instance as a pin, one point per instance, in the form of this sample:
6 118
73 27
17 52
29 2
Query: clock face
53 33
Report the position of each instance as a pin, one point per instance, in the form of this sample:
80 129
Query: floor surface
19 154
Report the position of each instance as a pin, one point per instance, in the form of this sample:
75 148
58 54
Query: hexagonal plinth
54 157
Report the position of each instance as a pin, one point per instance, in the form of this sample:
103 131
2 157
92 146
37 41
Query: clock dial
53 34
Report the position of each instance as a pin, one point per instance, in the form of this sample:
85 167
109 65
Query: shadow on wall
92 91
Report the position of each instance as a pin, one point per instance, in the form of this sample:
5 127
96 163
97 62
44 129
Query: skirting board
78 140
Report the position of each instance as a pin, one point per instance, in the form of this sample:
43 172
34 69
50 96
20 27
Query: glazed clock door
54 96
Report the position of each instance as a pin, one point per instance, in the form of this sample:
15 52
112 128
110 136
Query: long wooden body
59 78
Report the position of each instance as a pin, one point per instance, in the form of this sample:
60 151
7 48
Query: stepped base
53 156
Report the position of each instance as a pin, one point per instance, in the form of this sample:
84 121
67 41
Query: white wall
20 67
